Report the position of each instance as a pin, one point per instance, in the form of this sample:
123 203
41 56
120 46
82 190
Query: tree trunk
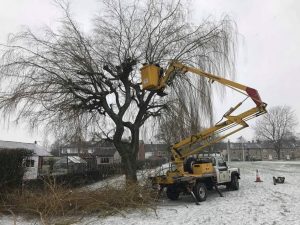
129 152
130 167
278 150
278 154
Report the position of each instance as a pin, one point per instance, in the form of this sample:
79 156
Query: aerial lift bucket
150 76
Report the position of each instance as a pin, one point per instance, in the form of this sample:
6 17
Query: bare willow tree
189 111
277 126
56 76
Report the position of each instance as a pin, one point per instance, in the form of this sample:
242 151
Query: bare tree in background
65 75
276 126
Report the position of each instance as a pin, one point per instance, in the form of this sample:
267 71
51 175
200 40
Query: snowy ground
254 203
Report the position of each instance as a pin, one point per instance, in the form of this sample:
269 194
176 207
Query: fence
80 176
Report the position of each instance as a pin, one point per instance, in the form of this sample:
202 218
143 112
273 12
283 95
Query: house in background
253 151
83 147
107 155
102 152
156 151
33 163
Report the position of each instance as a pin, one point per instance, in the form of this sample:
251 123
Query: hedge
12 167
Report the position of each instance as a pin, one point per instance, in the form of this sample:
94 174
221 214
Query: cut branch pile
58 203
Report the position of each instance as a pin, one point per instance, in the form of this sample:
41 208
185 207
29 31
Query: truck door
224 173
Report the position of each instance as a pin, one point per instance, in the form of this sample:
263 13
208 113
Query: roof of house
37 150
105 151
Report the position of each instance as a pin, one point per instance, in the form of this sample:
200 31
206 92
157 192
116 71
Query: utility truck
189 172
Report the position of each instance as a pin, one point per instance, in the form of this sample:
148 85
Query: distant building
101 152
159 151
156 151
106 155
83 147
253 151
33 163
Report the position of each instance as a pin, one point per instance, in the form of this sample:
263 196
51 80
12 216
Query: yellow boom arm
153 79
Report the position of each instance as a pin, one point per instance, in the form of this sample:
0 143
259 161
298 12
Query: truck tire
172 193
200 191
188 165
234 184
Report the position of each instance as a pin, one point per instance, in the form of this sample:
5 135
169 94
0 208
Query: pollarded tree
64 75
277 126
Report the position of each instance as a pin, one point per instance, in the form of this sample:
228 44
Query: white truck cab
225 174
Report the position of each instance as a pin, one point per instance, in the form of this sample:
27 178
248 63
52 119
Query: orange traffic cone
258 177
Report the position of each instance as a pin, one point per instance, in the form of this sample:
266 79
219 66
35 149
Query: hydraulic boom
153 78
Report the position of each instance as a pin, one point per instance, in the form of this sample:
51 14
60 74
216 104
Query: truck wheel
172 193
200 192
228 186
234 185
188 165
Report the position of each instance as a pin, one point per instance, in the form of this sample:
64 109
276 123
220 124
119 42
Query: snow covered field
255 203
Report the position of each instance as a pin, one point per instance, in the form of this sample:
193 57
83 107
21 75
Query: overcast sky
268 55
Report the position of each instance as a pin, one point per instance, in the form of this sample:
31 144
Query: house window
29 163
105 160
72 150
